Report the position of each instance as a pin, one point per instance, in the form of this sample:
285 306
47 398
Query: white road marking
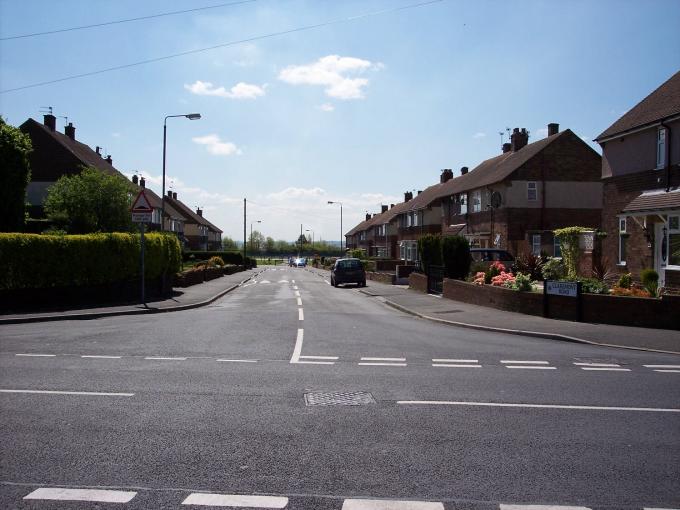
301 314
283 281
514 362
606 369
597 364
295 287
531 367
299 301
315 362
297 293
238 360
327 282
455 365
160 358
661 366
319 357
94 495
668 371
386 504
383 359
55 392
538 406
295 358
292 281
542 507
445 360
37 355
100 357
235 500
265 281
383 364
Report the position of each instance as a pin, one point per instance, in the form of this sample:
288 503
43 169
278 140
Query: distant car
348 271
300 262
488 256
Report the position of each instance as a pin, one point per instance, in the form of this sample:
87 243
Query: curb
115 313
519 332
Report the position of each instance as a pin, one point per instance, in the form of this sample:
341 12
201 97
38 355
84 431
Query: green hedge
39 261
229 257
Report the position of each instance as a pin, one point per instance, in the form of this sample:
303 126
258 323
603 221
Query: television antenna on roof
46 109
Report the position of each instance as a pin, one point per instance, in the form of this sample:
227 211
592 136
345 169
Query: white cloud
479 135
216 146
332 72
327 107
239 91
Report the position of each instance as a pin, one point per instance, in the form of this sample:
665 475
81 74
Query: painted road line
515 362
383 359
238 360
668 371
292 281
37 355
265 281
538 406
377 364
56 392
299 301
160 358
612 365
315 362
656 366
295 287
283 281
235 500
386 504
542 507
531 367
446 360
92 495
455 365
297 293
327 282
295 358
320 357
605 369
93 356
301 314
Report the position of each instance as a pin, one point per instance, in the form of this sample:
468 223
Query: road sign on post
141 213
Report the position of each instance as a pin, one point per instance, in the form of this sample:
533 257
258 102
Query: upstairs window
532 192
661 148
476 201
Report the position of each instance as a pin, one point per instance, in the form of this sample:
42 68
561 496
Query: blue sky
357 112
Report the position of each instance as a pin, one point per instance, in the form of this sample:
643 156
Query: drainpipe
668 155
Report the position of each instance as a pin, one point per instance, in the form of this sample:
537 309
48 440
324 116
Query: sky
372 103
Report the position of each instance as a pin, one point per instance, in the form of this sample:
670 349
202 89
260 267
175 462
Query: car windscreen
349 265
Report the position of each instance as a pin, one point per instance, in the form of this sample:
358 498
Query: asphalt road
159 410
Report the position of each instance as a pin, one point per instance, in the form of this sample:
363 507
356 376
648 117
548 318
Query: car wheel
362 284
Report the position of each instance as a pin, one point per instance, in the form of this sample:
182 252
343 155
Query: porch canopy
654 202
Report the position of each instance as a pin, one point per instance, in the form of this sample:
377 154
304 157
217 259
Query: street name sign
569 289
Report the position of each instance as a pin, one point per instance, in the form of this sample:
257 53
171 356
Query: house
641 176
173 219
515 200
200 234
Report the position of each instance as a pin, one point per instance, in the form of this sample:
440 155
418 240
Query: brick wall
380 277
417 281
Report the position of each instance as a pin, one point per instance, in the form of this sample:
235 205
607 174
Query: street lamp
251 234
190 116
341 236
310 230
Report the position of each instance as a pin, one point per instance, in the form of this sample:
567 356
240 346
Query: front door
660 252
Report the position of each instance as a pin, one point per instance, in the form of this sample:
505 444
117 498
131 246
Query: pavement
426 306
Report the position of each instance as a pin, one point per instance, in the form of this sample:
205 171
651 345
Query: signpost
566 289
141 213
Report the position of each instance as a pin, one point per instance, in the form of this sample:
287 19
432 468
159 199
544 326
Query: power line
224 45
127 20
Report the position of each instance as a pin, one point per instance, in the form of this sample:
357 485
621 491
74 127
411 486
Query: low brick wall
632 311
380 277
494 297
386 265
417 281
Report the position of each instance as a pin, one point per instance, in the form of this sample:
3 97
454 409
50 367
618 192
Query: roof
156 203
663 102
191 216
379 219
424 198
655 200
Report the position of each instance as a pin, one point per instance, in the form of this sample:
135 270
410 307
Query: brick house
200 234
377 235
515 200
640 172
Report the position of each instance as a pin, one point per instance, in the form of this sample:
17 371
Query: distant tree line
260 245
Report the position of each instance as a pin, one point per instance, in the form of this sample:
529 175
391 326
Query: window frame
660 148
477 201
622 243
531 188
534 237
675 232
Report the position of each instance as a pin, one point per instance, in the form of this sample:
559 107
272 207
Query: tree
15 174
91 201
269 245
228 244
456 256
256 242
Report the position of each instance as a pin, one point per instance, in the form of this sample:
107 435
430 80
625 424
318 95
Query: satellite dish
496 199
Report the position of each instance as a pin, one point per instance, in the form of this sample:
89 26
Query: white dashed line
320 357
297 293
292 281
315 362
386 504
159 358
92 495
371 364
299 301
531 367
668 371
597 365
515 362
538 406
238 360
455 365
606 369
235 500
445 360
383 359
327 282
37 355
542 507
295 287
86 393
661 366
301 314
93 356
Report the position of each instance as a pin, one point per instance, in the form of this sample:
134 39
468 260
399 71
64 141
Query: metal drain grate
338 398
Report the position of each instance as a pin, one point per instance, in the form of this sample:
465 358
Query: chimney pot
170 193
199 212
98 150
463 170
507 147
391 206
408 196
50 121
70 131
447 175
108 159
135 179
142 182
553 128
368 216
519 139
383 208
174 195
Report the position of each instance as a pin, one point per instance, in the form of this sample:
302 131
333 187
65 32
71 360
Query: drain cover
338 398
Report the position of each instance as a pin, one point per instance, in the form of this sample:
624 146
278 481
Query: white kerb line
301 314
37 355
93 495
295 358
235 500
56 392
538 406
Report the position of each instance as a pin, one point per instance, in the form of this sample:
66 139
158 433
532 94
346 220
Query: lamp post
310 230
190 116
251 233
341 236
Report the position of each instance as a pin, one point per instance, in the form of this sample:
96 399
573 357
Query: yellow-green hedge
38 261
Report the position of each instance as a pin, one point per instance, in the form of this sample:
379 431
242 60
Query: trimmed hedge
41 261
229 257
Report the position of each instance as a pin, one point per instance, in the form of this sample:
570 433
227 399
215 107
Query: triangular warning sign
141 204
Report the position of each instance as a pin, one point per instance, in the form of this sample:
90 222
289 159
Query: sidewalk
461 314
184 299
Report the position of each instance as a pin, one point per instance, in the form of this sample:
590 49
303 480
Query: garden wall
417 281
380 277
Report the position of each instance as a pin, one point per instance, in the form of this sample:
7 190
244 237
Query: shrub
650 281
479 278
228 257
456 256
625 281
430 251
40 261
553 269
521 283
478 267
503 280
530 264
494 270
215 262
633 291
593 286
571 251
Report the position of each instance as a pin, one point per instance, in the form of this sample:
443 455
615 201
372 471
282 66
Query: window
674 240
415 218
156 216
463 203
557 248
476 201
623 240
402 251
409 220
532 193
660 148
536 244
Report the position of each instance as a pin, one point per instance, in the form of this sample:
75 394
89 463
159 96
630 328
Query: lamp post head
193 116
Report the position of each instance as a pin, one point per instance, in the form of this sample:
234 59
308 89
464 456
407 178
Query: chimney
447 175
50 121
553 128
463 170
368 216
383 208
135 179
108 159
507 147
174 195
142 182
98 150
408 196
519 139
70 131
391 206
199 212
169 193
420 191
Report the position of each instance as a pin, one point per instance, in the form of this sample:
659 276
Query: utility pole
244 233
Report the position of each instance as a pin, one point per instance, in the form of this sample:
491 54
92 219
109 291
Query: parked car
488 256
348 271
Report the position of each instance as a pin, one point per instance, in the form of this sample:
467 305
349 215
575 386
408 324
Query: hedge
40 261
229 257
